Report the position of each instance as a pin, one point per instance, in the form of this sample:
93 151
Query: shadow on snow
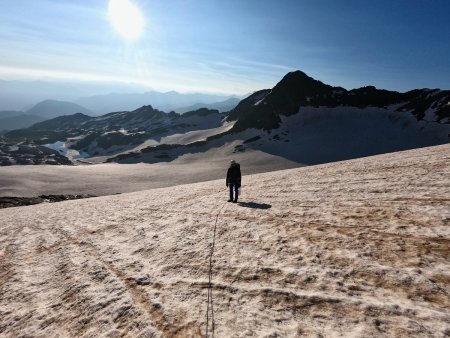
255 205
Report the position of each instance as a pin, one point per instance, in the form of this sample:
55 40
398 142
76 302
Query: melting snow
350 249
62 149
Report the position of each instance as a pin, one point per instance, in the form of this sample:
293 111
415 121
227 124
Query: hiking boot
235 201
230 200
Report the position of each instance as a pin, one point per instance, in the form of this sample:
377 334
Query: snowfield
358 248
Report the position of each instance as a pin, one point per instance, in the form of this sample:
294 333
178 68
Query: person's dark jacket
234 174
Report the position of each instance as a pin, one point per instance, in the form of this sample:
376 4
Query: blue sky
232 46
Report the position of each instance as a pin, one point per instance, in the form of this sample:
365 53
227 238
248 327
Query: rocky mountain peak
262 109
144 108
299 83
296 89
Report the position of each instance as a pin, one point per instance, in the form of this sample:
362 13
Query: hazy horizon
20 95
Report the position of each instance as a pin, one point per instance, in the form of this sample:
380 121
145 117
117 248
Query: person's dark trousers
235 187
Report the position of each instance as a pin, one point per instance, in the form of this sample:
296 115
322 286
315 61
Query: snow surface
321 135
111 178
430 115
62 148
195 135
348 249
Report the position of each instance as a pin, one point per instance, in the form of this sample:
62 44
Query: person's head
232 162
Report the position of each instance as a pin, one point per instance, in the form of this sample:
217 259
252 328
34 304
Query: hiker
234 180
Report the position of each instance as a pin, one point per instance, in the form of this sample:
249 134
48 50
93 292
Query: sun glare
126 18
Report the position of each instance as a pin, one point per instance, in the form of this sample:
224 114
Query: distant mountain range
300 119
53 108
17 120
102 104
10 120
22 95
169 101
223 106
104 96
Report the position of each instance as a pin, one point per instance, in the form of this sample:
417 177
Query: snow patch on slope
318 135
62 148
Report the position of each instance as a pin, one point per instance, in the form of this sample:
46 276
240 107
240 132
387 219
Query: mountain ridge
297 89
54 108
115 131
306 116
17 120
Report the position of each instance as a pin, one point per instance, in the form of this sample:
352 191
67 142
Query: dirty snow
349 249
112 178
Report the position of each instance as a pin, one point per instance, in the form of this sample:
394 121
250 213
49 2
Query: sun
126 18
